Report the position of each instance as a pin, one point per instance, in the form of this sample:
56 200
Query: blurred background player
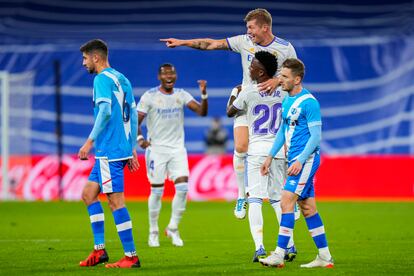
259 37
165 154
113 133
216 137
263 116
301 130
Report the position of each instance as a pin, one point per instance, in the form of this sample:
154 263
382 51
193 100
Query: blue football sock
124 228
317 230
96 216
286 229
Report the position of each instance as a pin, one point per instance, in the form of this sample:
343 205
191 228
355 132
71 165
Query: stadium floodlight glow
5 90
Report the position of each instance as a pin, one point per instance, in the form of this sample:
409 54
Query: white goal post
5 92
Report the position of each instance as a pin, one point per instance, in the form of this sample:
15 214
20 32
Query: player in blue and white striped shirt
301 131
114 135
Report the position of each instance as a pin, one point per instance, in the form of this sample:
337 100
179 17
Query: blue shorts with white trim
302 184
109 175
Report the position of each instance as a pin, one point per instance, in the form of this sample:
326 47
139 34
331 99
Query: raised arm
200 109
197 43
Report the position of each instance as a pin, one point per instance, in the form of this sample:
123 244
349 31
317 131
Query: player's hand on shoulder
171 42
269 86
202 84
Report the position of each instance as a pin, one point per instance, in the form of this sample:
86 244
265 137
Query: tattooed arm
198 43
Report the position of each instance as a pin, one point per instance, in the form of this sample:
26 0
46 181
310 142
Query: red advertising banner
212 178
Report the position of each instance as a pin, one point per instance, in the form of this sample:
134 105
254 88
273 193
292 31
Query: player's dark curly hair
268 60
95 45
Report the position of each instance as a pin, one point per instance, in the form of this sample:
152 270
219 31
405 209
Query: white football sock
178 204
256 221
154 207
238 165
325 254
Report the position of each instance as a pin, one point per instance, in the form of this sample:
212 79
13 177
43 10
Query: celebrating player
301 130
165 154
113 133
263 117
259 37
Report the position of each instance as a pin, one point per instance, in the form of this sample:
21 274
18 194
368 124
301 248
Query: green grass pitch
369 238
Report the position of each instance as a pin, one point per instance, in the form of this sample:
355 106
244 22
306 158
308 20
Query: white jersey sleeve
240 102
144 104
291 52
187 97
236 43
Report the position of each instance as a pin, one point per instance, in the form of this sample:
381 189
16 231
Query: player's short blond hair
262 16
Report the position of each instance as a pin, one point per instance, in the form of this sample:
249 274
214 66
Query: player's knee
307 210
115 203
181 187
87 197
287 206
157 191
238 161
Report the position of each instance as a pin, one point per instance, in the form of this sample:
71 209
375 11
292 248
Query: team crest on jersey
177 101
274 53
294 113
252 50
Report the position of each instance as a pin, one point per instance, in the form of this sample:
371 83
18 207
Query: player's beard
91 70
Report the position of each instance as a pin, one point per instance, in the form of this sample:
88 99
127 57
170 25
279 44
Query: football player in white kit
165 154
263 112
259 37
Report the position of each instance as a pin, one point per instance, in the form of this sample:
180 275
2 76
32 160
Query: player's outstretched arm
197 43
200 109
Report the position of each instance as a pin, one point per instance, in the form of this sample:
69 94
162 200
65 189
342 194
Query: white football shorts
162 165
268 186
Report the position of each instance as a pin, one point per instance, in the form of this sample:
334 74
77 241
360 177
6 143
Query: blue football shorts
302 184
109 175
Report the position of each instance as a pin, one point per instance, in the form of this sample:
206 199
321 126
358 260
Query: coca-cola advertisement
211 178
